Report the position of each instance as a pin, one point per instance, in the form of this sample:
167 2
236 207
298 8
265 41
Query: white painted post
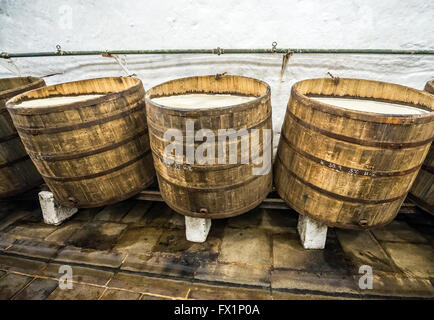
197 229
53 212
312 233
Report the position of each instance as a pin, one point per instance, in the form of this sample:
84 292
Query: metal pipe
218 51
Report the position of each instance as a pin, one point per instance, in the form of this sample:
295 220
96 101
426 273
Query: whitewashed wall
162 24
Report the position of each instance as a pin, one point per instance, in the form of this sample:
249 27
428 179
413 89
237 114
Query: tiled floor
137 250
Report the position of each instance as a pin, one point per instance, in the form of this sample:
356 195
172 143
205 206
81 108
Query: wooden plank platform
273 201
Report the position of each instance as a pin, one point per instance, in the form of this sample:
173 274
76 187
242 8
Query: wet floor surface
137 250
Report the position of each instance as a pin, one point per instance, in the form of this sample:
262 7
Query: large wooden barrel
222 189
347 168
422 191
91 152
17 172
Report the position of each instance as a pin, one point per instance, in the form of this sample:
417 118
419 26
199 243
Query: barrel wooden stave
347 168
422 191
210 191
98 151
17 172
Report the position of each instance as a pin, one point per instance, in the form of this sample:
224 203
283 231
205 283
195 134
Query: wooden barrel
218 190
346 168
92 152
17 172
422 191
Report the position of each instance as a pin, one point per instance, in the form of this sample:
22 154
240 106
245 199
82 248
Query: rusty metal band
428 168
159 129
9 137
36 131
384 145
214 189
334 195
100 174
217 167
341 168
60 157
110 201
214 215
11 163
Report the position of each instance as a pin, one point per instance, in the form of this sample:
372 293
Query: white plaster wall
161 24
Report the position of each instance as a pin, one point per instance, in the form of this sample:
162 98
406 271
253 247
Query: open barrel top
210 84
124 87
360 89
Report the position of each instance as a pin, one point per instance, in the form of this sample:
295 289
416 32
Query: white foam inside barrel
199 100
52 101
371 106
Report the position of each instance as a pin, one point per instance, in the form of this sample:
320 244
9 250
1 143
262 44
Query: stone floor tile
37 231
174 242
250 219
97 235
62 234
414 260
155 286
233 273
246 246
313 283
152 297
89 256
279 221
177 221
115 212
35 216
78 292
159 215
211 292
32 248
12 217
11 284
395 286
362 249
79 274
398 231
111 294
282 295
27 266
138 239
6 240
161 264
38 289
288 253
87 214
137 212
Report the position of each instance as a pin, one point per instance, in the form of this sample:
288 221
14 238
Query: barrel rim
34 82
187 111
393 119
12 107
429 86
